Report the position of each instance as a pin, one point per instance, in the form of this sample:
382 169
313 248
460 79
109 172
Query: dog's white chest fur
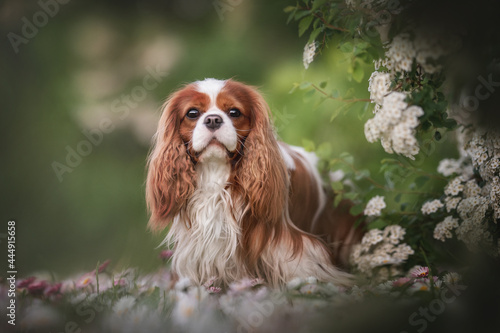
206 248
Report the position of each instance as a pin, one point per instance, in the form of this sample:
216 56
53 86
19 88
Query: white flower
311 280
451 203
394 233
372 237
452 278
454 187
380 248
309 53
449 166
443 229
124 305
431 207
185 308
294 283
374 206
183 283
394 124
378 87
309 289
401 53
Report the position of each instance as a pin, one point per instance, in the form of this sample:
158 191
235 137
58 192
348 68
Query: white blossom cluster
425 49
309 53
470 199
394 122
379 249
431 207
375 206
443 229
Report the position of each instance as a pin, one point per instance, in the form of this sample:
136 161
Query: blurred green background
85 60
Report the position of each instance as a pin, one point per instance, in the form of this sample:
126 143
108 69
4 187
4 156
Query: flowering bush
414 107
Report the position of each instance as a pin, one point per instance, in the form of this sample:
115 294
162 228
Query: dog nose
213 122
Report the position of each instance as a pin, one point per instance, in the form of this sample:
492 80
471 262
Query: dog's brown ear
262 181
171 175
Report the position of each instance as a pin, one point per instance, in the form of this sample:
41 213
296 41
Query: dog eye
235 113
193 114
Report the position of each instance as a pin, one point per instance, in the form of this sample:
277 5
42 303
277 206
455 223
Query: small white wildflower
309 53
394 234
375 206
124 305
372 237
185 308
294 283
449 166
454 187
451 203
378 86
431 207
183 283
443 229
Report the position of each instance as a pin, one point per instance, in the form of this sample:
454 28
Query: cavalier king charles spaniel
239 203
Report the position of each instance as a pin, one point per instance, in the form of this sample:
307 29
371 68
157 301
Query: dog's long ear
171 176
262 179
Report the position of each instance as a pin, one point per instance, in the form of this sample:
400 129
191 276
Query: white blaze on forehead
211 87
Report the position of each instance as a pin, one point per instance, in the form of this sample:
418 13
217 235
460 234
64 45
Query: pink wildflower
54 289
103 266
420 272
166 254
401 282
38 287
25 283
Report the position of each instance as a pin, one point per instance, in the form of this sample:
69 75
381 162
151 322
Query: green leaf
420 181
288 9
389 161
324 149
356 210
295 86
362 174
308 145
337 200
397 198
291 16
304 24
301 14
318 3
377 224
358 73
351 196
304 85
314 34
347 157
323 84
337 186
335 113
346 47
